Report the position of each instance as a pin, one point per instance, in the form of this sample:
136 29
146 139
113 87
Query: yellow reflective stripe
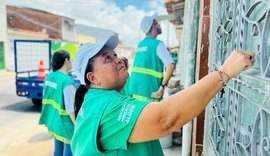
60 138
148 72
139 97
55 105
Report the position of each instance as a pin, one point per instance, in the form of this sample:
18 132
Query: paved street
19 129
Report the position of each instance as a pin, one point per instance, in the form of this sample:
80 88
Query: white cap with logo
147 22
88 50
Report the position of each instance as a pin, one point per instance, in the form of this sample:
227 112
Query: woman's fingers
249 65
238 61
250 53
250 59
250 56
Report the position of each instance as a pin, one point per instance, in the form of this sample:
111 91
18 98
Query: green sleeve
117 122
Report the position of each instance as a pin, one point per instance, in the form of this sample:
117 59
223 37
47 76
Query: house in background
86 33
27 23
27 19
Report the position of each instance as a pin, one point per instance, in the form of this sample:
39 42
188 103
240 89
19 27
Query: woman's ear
67 60
92 79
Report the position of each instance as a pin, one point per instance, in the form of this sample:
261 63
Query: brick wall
34 20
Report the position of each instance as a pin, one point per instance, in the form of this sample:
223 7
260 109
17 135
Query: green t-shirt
104 124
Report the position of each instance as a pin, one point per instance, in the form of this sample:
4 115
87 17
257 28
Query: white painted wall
3 26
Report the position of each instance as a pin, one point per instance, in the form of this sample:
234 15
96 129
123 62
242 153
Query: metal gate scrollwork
238 123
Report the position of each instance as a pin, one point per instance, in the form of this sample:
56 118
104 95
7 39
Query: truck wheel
37 102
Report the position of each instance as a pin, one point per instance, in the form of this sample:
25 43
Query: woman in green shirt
109 123
58 103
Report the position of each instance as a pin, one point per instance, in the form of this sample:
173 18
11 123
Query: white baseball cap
88 50
147 22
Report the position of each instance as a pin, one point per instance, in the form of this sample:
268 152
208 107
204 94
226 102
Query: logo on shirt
81 113
126 112
141 49
51 84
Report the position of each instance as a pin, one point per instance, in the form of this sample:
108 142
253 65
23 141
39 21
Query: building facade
31 24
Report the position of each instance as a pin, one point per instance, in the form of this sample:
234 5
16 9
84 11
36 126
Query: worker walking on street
151 57
58 103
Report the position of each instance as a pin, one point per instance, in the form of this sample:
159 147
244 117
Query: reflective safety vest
147 72
53 114
88 133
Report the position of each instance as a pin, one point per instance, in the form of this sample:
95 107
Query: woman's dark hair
58 59
81 91
79 96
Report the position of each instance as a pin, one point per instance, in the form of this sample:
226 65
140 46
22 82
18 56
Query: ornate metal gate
238 123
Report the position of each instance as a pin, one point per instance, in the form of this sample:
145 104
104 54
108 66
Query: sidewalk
6 73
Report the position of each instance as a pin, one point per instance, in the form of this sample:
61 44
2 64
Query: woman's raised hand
237 62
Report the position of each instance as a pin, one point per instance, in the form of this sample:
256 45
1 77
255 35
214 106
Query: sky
121 16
